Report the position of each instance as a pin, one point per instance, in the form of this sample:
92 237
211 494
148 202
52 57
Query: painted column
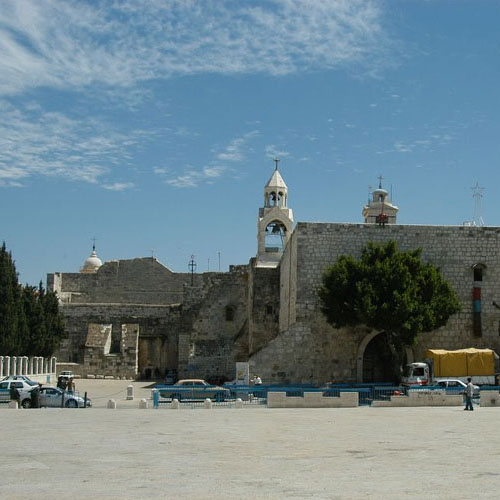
476 301
1 366
13 365
54 365
35 360
32 366
7 365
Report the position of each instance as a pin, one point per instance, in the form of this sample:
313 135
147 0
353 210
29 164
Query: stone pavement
249 453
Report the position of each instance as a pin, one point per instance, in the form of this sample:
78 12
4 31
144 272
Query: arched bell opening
275 237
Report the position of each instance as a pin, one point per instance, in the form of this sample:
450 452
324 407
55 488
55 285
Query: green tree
9 304
389 290
54 323
30 321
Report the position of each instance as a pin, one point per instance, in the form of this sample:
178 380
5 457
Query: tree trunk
396 350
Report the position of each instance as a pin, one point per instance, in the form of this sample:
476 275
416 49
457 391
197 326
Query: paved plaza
249 453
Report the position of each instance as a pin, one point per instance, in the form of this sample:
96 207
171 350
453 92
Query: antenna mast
477 194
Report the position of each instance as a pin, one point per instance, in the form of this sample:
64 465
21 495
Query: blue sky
152 126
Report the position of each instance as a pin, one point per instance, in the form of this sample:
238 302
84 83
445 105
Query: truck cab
416 374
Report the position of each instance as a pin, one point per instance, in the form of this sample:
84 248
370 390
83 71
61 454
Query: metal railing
257 394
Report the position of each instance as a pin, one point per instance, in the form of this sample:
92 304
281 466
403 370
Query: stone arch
361 354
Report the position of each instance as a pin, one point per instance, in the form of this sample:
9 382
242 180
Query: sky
152 126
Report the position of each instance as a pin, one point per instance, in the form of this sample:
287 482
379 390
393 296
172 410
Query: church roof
276 181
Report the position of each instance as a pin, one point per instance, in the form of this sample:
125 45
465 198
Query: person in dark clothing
62 383
14 393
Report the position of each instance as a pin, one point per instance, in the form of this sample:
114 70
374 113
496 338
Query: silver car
52 397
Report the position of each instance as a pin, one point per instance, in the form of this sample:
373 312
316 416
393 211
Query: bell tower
275 221
380 209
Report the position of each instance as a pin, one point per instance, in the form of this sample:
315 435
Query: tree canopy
389 290
30 321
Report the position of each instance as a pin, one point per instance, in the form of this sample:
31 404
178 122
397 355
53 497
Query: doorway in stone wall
377 361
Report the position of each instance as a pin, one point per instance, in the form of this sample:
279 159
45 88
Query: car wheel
26 403
71 403
176 396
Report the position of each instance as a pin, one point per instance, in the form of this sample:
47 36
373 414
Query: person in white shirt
469 392
257 380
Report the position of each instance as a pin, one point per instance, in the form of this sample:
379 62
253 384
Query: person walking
469 393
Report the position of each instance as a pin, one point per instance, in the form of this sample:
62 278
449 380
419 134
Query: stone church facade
138 319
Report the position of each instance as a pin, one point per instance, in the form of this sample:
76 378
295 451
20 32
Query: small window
229 313
478 271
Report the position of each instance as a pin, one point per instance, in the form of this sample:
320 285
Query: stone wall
135 281
202 337
263 306
214 324
97 357
155 322
309 350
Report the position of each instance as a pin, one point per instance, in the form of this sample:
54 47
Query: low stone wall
422 398
312 400
489 398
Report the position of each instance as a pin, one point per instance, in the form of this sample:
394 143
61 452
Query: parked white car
22 386
21 377
455 383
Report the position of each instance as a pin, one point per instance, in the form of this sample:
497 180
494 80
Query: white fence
37 368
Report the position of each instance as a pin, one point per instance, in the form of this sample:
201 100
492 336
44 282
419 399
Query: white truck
482 365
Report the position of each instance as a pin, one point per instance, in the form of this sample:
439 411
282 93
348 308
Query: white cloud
427 144
52 144
118 186
273 151
76 43
235 151
188 180
213 171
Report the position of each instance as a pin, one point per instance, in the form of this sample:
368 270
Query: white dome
91 264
